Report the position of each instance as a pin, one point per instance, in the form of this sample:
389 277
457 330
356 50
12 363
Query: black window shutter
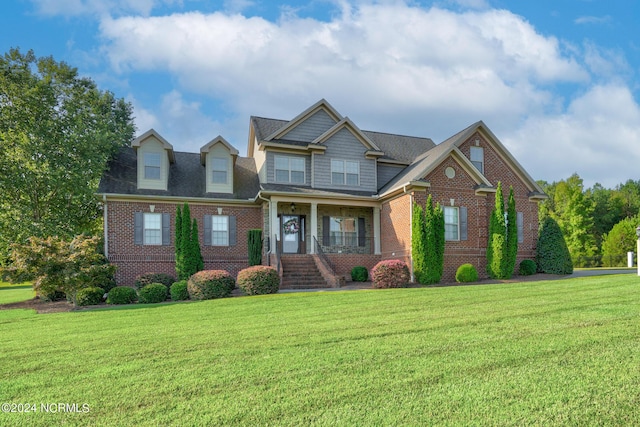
463 223
362 238
207 230
166 229
325 231
138 223
520 222
232 231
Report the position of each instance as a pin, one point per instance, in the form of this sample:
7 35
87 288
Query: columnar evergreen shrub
259 280
193 260
527 267
122 295
153 293
497 244
179 291
390 274
210 284
89 296
418 243
466 273
552 254
512 236
188 254
438 243
178 242
148 278
427 242
359 274
254 238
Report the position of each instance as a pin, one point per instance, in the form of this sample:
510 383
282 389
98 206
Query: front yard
541 353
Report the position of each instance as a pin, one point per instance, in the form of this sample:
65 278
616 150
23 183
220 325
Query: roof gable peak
321 105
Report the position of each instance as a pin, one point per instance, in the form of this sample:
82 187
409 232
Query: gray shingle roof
186 177
315 191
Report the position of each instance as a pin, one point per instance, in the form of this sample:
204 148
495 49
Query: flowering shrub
149 278
466 273
359 274
259 280
121 295
390 274
153 293
527 267
179 291
89 296
210 284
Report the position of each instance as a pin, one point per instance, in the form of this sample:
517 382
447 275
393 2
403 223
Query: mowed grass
537 353
15 292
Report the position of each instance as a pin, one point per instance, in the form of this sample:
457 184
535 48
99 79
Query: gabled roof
300 118
136 143
217 140
346 123
428 161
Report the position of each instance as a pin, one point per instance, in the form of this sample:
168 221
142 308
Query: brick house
327 195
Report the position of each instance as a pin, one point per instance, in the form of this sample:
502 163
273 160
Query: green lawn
536 353
15 292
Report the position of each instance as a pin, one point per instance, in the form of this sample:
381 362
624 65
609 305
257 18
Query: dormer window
152 165
220 170
477 158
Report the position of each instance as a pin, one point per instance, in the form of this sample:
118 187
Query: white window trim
145 228
481 150
145 157
226 170
289 170
213 217
344 171
457 209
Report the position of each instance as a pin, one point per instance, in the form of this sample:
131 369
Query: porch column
314 226
275 224
376 231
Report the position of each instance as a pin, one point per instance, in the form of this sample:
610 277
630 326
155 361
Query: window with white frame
451 223
289 169
343 231
345 172
219 230
152 164
477 158
152 231
220 170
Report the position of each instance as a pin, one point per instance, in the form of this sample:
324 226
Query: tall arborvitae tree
496 246
438 222
552 254
434 242
178 241
512 236
418 244
195 262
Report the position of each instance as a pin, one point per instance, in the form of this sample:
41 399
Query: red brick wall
343 263
133 260
395 229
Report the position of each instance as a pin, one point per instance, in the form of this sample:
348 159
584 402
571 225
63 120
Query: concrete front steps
301 272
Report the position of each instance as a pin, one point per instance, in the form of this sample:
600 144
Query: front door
291 231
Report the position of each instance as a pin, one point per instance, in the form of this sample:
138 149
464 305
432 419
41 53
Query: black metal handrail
278 250
323 257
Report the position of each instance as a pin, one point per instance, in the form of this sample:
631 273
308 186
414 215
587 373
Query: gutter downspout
270 242
105 226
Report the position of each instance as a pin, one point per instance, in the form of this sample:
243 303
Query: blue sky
556 81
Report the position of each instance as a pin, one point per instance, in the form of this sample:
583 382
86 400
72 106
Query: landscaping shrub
89 296
121 295
527 267
254 238
179 291
466 273
153 293
359 274
390 274
148 278
210 284
259 280
552 254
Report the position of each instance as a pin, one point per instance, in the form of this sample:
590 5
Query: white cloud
593 19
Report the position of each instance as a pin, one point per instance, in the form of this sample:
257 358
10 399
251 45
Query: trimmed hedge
179 291
552 254
359 274
149 278
90 296
390 274
153 293
527 267
122 295
210 284
259 280
466 273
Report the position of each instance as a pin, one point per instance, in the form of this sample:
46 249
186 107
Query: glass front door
290 234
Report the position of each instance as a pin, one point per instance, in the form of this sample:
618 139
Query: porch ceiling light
293 207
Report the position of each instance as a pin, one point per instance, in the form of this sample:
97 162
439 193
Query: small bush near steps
527 267
122 295
259 280
179 291
210 284
390 274
153 293
466 273
359 274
